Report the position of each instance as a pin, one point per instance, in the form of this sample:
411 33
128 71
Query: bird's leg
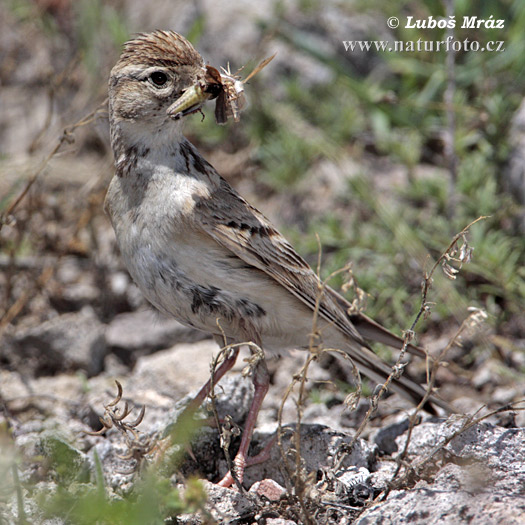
261 382
196 402
224 367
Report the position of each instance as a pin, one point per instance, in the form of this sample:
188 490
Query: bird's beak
189 102
194 97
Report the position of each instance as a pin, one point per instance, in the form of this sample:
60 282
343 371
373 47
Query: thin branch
65 137
397 369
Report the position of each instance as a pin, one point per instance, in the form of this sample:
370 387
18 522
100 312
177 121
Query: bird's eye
159 78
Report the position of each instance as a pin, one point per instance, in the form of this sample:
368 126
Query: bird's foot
241 462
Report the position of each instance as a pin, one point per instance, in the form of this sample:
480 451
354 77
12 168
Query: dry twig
138 449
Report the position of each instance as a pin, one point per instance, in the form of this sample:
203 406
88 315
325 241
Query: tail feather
372 331
373 367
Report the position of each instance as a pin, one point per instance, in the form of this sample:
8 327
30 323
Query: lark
201 253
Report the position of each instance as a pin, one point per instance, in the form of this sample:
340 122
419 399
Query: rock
385 438
445 502
481 482
77 295
269 489
68 342
321 448
500 450
75 286
69 462
146 331
175 372
503 395
233 399
225 506
12 385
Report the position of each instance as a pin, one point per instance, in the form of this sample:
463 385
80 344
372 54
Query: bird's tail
375 368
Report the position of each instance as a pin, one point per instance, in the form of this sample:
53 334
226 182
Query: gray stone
499 449
146 331
233 399
321 448
224 505
65 343
175 372
269 489
481 482
446 504
385 438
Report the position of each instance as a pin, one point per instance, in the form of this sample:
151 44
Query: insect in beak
228 89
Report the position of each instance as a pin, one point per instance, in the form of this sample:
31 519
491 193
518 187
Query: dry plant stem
19 304
114 418
66 137
412 420
409 334
55 82
427 283
217 371
299 482
48 271
11 269
432 379
431 375
314 352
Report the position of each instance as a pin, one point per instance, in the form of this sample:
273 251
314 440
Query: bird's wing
242 229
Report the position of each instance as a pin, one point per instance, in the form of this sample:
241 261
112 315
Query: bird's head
152 73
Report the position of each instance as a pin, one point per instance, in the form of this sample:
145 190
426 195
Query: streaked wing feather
251 237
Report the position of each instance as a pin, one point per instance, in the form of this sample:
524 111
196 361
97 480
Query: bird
198 251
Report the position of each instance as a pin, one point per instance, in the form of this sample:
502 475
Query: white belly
186 274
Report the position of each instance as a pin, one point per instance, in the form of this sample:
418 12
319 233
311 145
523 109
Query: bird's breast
185 273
